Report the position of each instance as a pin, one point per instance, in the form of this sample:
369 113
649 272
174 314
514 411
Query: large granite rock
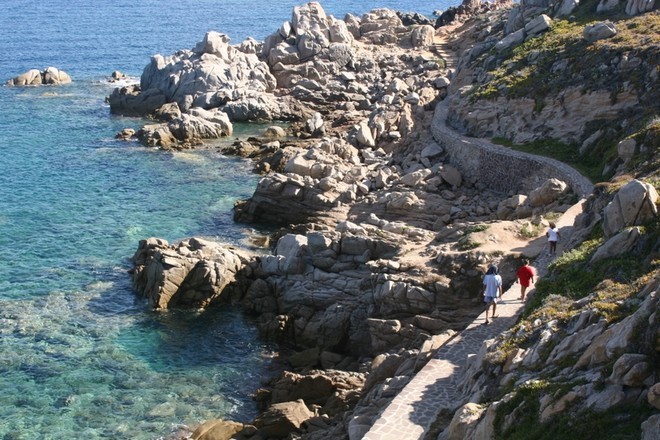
130 100
312 45
332 390
311 182
618 337
222 430
197 124
599 31
193 273
34 77
618 244
635 7
282 419
633 205
382 26
211 75
547 193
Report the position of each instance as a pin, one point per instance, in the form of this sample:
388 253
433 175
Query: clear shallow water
80 355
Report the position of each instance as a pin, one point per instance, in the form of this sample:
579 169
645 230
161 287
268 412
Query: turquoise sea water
80 355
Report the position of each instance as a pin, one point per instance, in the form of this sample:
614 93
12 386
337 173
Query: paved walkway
434 389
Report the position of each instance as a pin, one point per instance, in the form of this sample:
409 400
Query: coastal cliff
389 213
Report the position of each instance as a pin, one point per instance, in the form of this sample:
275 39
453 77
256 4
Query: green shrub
619 423
568 153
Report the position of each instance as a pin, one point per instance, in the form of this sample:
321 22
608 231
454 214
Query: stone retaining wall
500 168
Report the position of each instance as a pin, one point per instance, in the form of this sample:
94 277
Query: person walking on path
492 289
525 275
553 236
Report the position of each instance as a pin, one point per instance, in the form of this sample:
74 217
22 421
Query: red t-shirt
525 273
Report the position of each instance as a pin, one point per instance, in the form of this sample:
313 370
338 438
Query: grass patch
467 242
529 230
552 216
610 282
476 228
567 153
570 276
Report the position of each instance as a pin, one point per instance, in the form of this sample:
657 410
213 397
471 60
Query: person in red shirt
525 275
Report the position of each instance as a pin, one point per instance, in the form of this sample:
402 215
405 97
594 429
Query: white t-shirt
553 234
492 283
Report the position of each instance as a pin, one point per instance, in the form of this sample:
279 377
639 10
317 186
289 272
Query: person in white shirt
492 289
553 236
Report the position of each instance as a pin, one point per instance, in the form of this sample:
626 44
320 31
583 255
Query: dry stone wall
499 168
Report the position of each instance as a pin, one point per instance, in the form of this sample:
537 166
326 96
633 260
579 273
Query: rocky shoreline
387 217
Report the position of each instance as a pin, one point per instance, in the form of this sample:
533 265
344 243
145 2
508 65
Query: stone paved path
433 390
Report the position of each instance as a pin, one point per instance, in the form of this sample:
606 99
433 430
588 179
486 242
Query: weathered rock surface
282 418
585 336
222 430
599 31
34 77
565 116
193 273
211 75
634 204
561 114
635 7
193 126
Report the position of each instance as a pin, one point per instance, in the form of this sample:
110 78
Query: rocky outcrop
211 75
634 204
222 430
584 336
469 9
318 291
311 46
599 31
565 116
491 106
186 128
635 7
193 273
281 419
35 77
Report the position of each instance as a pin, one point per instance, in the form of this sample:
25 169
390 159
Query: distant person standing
553 236
492 289
525 275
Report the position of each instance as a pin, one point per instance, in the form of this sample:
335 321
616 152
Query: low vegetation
559 59
610 287
589 166
621 423
609 282
467 242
